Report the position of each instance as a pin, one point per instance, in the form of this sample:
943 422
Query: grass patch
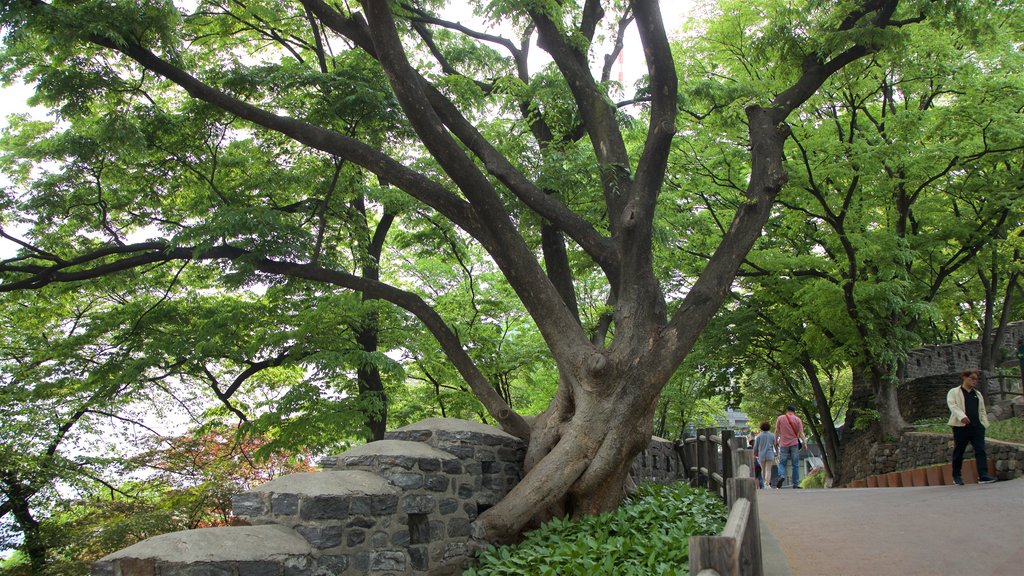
648 535
1010 430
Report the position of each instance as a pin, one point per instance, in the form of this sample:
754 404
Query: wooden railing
737 550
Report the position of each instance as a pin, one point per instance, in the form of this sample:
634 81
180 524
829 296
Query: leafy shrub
1009 430
648 535
816 479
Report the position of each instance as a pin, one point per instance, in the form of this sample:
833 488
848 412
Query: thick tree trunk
875 391
578 459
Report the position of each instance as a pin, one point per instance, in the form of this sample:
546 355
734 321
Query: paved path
972 530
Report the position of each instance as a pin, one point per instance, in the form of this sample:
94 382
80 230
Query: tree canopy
301 210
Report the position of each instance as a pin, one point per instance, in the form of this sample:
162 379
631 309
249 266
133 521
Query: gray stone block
429 464
452 466
248 504
381 504
204 569
456 550
405 480
437 529
393 461
361 522
325 507
436 483
360 562
321 536
448 506
463 452
284 504
298 566
458 527
418 504
419 558
401 538
335 564
379 539
364 461
355 538
359 505
385 560
259 569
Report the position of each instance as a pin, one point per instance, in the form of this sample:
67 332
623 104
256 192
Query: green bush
648 535
815 479
1009 430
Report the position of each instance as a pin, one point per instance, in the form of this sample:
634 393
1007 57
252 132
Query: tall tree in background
540 169
905 183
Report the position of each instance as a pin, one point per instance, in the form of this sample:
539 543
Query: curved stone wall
399 506
953 358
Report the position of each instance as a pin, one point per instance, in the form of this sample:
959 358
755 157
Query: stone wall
916 449
953 358
925 397
403 505
926 449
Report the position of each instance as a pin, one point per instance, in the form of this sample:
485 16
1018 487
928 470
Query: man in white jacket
968 418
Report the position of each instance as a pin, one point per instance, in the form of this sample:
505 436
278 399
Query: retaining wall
954 358
399 506
916 449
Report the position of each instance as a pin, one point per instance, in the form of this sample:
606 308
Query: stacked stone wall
953 358
400 506
915 449
659 463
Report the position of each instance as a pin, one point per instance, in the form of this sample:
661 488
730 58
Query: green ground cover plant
1009 430
647 535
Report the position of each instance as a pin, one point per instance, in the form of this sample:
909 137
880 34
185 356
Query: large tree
541 169
905 184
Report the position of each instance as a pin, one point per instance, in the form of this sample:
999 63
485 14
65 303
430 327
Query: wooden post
750 549
727 469
699 460
714 467
680 450
710 458
722 553
743 459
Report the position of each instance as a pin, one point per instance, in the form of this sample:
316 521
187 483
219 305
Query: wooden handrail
737 550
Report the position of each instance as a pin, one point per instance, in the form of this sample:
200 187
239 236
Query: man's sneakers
958 481
986 479
779 481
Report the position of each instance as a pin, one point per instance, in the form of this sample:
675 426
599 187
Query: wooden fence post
727 469
750 547
707 458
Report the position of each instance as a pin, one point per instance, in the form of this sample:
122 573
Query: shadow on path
973 530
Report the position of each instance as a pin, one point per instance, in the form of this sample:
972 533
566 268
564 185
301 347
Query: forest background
146 376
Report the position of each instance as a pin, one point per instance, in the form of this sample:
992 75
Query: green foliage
647 535
815 479
1009 430
865 418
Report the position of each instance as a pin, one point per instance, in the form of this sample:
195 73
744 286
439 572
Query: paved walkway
975 530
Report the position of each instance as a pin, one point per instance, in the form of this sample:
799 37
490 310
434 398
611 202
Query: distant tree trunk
829 436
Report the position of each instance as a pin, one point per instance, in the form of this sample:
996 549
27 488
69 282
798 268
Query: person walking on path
968 419
764 451
789 439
